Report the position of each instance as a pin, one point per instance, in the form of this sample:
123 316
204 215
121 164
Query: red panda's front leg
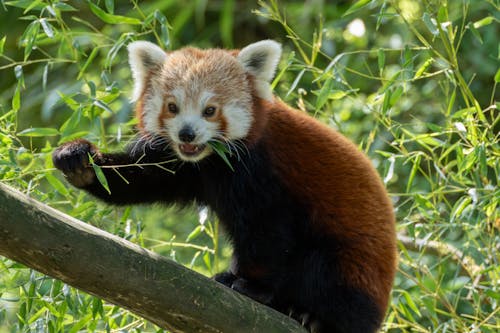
129 182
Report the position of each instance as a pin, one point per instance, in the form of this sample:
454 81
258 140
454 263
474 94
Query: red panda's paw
226 278
72 158
254 291
306 320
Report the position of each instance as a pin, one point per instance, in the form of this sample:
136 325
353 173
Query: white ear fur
144 57
261 59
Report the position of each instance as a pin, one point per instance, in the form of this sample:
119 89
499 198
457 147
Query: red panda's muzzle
191 150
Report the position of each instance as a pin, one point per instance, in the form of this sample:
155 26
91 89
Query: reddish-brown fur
339 184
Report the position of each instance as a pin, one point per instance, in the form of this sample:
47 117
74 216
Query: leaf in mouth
223 151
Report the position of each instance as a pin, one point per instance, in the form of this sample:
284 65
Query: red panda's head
191 96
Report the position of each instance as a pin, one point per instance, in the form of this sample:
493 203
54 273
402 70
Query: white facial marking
239 120
152 107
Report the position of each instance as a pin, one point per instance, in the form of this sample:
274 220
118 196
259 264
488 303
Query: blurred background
413 83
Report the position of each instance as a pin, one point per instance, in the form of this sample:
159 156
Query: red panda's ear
261 59
144 59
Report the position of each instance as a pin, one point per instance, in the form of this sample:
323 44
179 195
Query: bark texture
120 272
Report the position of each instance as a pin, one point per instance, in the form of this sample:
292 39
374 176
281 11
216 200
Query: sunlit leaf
16 99
2 43
421 70
64 7
497 76
356 6
484 22
113 19
99 174
324 93
25 4
39 132
195 233
29 37
57 184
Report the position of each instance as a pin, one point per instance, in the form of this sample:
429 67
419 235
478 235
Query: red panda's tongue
189 148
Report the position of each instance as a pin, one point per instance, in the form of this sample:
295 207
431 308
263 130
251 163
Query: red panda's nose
186 134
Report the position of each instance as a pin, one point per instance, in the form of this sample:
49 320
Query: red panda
311 224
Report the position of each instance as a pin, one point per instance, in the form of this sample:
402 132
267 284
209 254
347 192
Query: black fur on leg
226 278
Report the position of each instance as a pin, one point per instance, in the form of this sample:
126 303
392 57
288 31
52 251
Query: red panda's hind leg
246 287
324 302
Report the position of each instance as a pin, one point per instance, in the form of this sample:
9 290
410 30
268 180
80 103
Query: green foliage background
413 82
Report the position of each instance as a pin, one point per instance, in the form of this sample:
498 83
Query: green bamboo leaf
102 105
29 37
113 19
295 82
421 70
410 302
47 28
381 60
459 207
34 4
338 94
195 233
97 307
110 6
64 7
24 4
2 43
483 22
45 75
99 174
16 99
207 260
72 123
324 93
386 104
39 132
497 76
357 6
396 95
221 150
69 101
413 172
76 327
164 29
57 184
37 315
430 24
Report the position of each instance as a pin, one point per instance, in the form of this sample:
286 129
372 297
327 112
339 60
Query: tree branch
154 287
436 248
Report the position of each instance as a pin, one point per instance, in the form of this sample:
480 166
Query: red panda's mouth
191 150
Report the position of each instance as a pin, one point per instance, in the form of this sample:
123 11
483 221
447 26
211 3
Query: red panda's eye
172 107
209 111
